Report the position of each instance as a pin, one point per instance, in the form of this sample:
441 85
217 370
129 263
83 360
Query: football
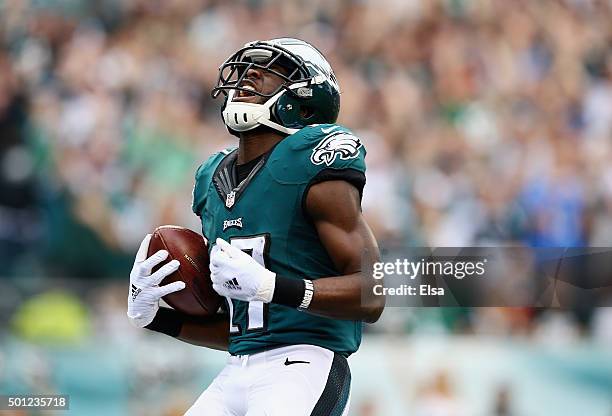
191 250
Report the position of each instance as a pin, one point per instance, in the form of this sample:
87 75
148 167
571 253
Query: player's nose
254 73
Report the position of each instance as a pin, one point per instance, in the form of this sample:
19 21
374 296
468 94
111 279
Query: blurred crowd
486 122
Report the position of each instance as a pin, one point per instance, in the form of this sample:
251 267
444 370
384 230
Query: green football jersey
265 216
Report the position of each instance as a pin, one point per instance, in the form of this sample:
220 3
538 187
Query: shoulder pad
334 144
316 148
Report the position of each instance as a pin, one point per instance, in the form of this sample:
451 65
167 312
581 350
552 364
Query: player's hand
145 292
237 275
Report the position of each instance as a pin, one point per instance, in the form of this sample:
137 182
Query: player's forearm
212 332
346 297
349 296
339 297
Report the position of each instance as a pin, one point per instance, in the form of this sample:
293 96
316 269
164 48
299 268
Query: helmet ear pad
298 112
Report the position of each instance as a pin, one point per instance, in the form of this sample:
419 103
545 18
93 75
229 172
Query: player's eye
284 67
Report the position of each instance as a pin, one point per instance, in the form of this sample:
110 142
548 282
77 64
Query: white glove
237 275
145 292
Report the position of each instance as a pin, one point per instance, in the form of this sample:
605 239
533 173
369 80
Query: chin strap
247 116
276 126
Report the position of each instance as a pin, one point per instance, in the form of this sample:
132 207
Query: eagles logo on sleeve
336 144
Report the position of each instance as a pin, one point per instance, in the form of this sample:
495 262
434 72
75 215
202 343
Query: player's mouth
245 95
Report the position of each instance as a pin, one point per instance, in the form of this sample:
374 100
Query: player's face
259 80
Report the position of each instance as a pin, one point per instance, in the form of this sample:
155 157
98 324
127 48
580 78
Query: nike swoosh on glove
145 292
237 275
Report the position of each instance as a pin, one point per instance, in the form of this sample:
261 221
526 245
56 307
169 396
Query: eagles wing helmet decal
336 144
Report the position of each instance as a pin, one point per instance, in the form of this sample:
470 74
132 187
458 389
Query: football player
282 213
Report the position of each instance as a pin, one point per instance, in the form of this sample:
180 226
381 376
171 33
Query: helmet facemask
262 56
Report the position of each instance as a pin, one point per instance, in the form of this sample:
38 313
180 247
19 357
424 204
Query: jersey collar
225 178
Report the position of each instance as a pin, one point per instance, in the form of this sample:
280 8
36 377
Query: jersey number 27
255 246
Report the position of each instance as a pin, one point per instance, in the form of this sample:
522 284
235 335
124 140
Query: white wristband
308 294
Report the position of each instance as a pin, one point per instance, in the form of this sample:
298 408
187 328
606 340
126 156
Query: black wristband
167 321
295 293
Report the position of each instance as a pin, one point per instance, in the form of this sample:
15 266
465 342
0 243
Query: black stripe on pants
335 395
